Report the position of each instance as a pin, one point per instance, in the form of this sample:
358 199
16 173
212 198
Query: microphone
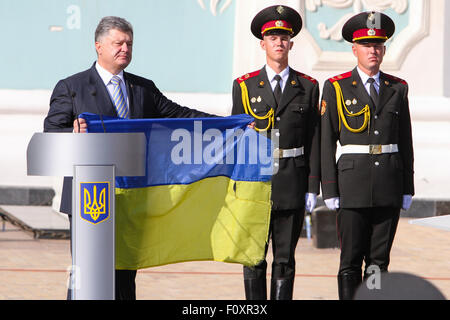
72 95
94 93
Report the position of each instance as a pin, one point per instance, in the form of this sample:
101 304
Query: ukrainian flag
205 195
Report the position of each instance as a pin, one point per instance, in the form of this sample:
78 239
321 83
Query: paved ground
36 269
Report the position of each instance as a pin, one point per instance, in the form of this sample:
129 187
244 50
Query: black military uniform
375 169
297 119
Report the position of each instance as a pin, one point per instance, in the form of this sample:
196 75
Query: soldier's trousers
366 234
285 228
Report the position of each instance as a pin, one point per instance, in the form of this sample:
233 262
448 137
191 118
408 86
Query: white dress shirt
283 74
106 78
364 78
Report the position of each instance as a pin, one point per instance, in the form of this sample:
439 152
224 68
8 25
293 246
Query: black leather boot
281 289
347 285
255 289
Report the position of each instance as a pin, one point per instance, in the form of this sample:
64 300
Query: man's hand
83 125
332 203
252 125
310 201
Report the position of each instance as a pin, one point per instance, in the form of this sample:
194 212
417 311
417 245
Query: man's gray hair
110 23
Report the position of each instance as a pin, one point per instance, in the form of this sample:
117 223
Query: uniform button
278 118
377 163
277 134
376 117
376 132
254 109
276 164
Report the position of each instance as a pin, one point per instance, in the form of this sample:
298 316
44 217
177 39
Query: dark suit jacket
365 180
86 92
297 119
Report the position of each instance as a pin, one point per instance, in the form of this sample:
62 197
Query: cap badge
279 23
371 32
280 9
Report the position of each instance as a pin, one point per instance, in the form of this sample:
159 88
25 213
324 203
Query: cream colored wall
424 65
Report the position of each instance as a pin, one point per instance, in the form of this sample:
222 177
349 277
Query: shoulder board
305 76
341 76
393 78
248 76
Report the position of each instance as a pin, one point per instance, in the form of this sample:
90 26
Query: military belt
369 149
288 153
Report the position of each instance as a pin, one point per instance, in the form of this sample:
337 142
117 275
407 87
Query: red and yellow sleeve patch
323 107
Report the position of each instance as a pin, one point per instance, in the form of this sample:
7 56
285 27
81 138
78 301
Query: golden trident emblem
94 207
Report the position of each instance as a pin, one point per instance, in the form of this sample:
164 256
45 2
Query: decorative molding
312 5
417 29
213 4
334 33
399 6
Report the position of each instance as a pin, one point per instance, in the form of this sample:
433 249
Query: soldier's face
114 50
277 47
369 55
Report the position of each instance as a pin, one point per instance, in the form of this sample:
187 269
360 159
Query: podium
94 160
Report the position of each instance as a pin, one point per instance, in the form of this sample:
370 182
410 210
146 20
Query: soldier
367 111
279 97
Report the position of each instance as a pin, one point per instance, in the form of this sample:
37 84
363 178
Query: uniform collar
283 74
364 77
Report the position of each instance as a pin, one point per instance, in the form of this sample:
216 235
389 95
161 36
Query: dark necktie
373 91
277 91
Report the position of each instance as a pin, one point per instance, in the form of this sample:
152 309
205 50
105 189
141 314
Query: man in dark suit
286 100
106 89
367 111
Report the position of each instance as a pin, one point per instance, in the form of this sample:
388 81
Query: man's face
369 55
114 50
277 47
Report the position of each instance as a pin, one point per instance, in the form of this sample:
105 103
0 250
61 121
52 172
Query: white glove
332 203
310 201
407 200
